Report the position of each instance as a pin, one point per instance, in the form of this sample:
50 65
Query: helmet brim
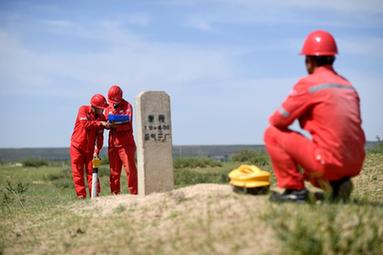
100 107
113 101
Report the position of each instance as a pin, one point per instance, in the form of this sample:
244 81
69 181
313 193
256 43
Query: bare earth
204 218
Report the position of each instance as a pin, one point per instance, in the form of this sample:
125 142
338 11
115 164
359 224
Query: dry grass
198 219
335 228
368 186
204 219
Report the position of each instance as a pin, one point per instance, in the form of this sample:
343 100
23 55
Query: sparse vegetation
378 147
40 215
34 162
61 179
186 162
327 228
13 192
187 176
258 158
105 161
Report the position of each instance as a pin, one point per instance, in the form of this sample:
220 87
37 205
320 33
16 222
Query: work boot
290 195
341 189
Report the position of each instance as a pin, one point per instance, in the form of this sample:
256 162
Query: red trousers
289 149
118 157
81 160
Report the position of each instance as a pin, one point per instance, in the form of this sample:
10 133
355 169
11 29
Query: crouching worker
327 106
86 142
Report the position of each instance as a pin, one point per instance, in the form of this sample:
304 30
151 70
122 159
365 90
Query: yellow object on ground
250 178
96 162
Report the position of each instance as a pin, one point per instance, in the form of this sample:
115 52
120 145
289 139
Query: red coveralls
122 149
86 131
327 106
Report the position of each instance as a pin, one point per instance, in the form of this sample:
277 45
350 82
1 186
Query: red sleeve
100 137
82 116
106 113
292 108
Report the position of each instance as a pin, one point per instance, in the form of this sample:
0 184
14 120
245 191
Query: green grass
194 162
259 158
378 148
187 176
354 228
335 228
38 215
34 162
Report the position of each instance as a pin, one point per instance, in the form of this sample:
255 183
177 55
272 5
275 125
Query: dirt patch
209 218
110 204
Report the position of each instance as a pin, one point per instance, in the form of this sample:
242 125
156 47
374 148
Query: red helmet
319 43
115 94
98 101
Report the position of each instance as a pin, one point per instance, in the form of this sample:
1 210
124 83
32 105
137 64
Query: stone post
154 142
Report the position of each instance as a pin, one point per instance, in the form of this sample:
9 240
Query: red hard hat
115 94
98 101
319 43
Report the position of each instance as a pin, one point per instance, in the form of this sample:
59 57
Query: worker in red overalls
86 142
327 106
122 147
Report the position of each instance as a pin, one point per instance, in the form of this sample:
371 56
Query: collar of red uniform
324 68
119 107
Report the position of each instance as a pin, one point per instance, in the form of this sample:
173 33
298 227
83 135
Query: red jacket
327 106
87 130
122 134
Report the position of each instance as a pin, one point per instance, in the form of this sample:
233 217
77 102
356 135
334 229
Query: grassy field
40 215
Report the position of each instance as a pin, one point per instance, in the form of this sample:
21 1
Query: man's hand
105 124
111 125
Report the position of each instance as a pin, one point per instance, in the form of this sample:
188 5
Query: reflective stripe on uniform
319 87
283 112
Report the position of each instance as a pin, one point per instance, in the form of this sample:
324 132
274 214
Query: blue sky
227 65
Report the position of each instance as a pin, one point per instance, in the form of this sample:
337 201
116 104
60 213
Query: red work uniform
328 107
87 139
122 149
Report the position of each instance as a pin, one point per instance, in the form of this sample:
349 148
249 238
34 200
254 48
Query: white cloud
126 57
200 24
210 100
319 13
372 6
19 65
60 23
367 46
141 19
357 6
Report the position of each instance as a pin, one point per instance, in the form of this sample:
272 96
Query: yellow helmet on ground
250 179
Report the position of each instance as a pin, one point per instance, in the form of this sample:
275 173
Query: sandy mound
110 204
210 218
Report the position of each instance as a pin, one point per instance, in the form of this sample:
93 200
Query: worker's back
333 118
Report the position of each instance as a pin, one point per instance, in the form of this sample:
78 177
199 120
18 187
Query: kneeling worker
327 106
87 141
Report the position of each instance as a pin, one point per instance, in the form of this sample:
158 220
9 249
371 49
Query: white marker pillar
154 142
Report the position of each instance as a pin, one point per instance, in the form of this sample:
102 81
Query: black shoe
290 195
341 189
